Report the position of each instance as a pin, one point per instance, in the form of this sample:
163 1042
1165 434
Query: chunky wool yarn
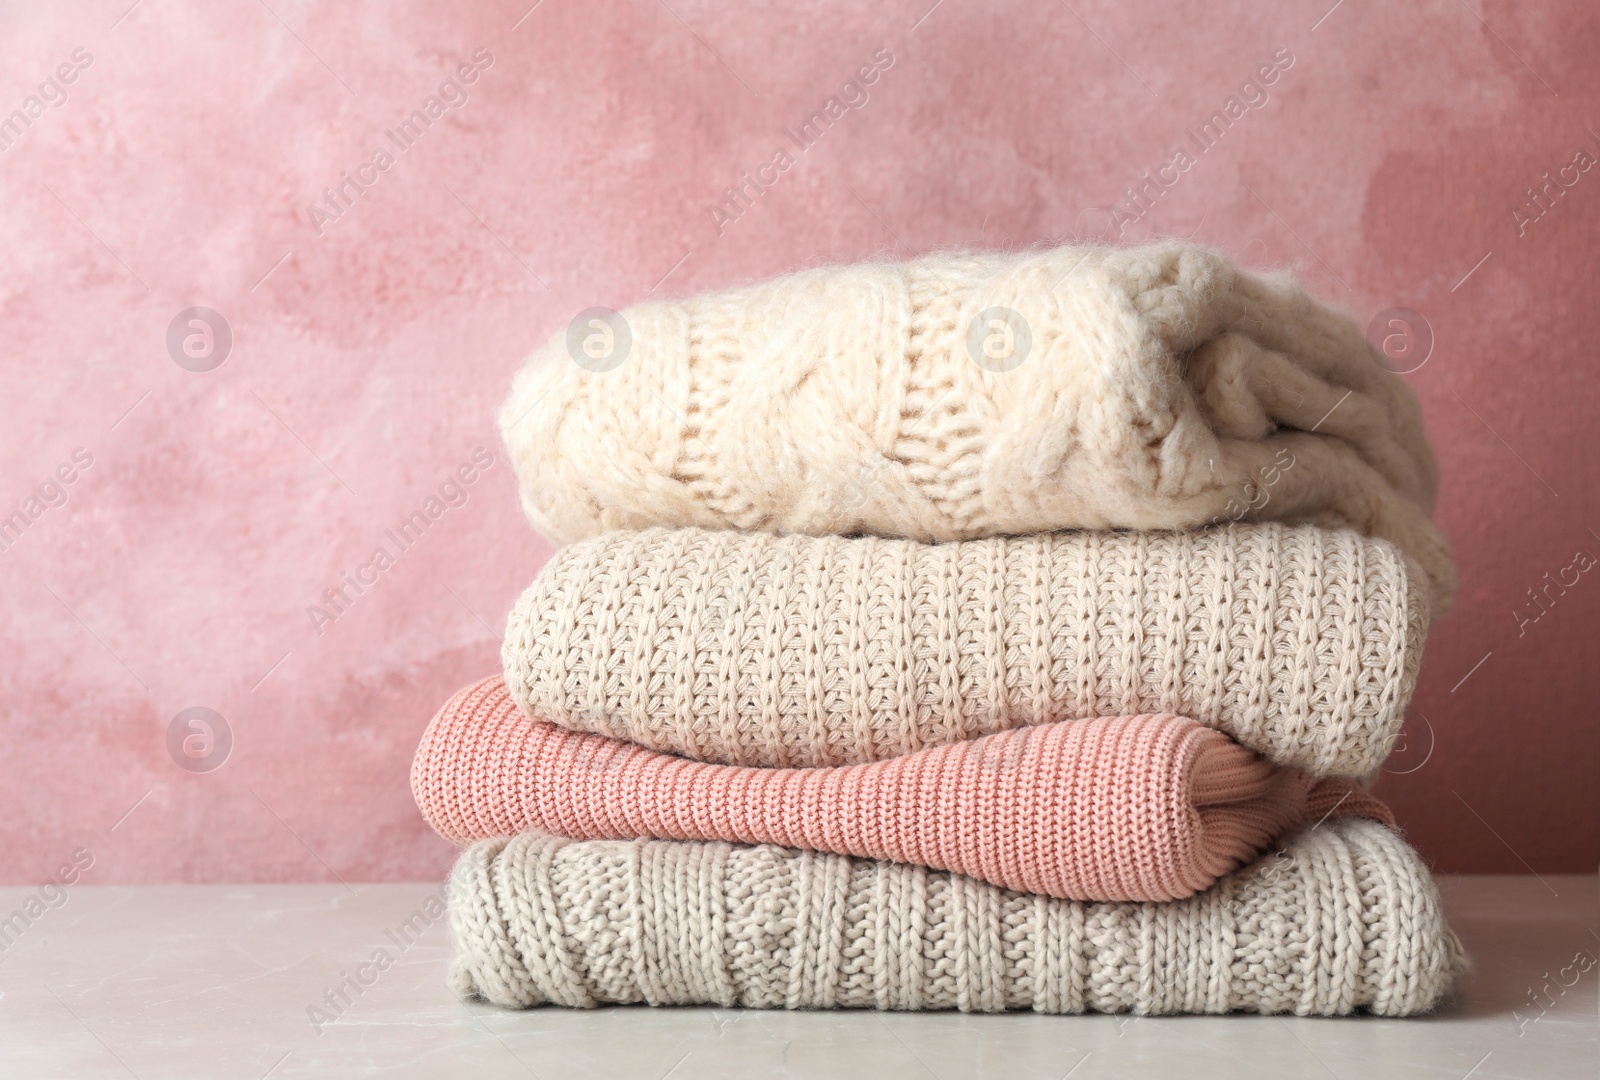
1345 918
1150 388
1111 808
755 649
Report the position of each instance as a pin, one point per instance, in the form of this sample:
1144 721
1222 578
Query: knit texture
1345 918
754 649
1112 808
1159 388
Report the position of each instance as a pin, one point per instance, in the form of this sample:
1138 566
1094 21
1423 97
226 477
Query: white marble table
217 981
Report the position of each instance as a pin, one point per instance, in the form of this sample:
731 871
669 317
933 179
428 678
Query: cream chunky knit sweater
967 395
757 649
1345 918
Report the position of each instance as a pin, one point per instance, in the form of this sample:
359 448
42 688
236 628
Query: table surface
219 981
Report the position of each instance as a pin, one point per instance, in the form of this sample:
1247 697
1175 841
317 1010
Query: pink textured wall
1388 163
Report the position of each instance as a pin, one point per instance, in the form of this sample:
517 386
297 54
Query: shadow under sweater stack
877 673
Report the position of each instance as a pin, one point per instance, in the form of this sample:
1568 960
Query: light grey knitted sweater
1344 918
752 649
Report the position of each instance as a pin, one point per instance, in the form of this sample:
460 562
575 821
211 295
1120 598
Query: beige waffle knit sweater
1345 918
757 649
967 395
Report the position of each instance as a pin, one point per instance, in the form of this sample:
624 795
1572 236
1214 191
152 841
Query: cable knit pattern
1345 918
1162 388
754 649
1113 808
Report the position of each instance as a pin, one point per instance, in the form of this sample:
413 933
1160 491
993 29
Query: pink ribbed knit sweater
1112 808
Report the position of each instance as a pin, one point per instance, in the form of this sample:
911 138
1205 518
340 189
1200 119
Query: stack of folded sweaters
878 674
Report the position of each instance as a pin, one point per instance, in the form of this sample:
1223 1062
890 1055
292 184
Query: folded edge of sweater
1160 387
753 649
1344 918
1108 808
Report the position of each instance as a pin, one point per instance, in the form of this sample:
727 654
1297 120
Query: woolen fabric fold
971 394
1345 918
1144 808
753 649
